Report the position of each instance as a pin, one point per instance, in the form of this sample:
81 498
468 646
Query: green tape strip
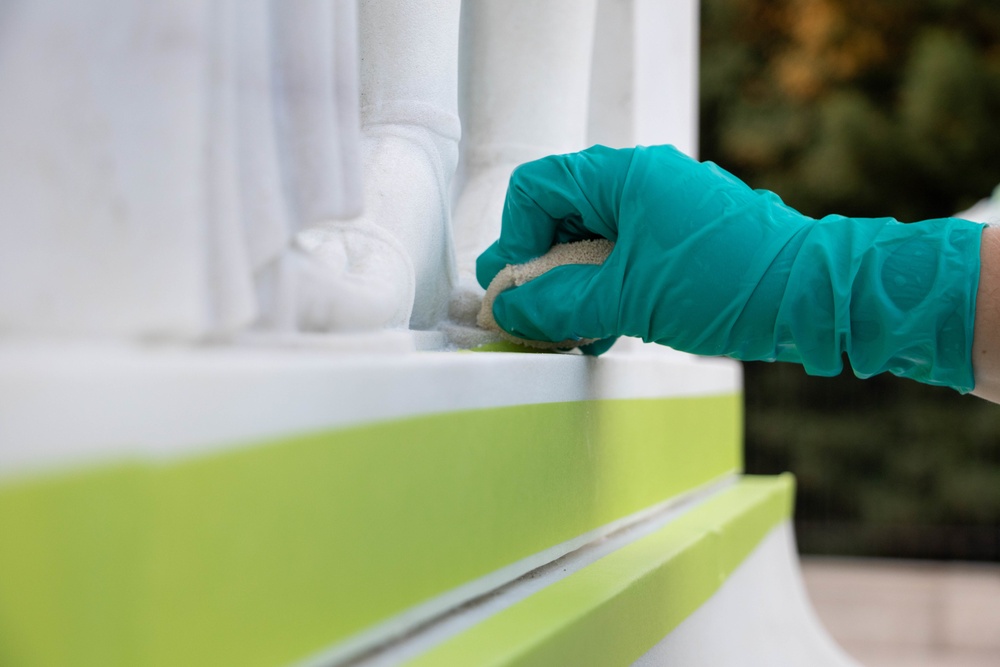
613 611
73 552
262 555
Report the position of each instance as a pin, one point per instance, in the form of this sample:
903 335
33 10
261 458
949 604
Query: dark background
866 108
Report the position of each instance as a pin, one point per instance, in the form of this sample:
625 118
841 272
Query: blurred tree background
865 108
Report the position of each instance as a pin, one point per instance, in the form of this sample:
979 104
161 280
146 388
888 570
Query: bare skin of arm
986 335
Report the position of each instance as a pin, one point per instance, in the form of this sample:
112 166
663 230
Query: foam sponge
515 275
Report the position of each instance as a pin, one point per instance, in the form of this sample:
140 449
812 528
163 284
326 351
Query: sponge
514 275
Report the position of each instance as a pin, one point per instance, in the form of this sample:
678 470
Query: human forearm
986 337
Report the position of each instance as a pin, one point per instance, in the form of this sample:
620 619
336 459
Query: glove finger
597 348
559 198
559 305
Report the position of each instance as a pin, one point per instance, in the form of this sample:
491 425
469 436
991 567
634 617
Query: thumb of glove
563 304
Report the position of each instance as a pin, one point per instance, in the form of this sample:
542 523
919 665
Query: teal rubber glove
706 265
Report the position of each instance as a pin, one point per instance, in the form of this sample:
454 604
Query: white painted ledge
761 617
67 405
401 638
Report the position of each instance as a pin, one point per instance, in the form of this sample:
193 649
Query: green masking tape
264 554
616 609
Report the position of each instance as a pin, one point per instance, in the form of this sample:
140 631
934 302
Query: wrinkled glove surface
706 265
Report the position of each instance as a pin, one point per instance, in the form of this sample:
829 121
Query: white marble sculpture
200 168
525 86
556 77
409 109
527 79
156 160
644 76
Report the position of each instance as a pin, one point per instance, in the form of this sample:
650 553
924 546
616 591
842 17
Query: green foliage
854 107
865 108
885 466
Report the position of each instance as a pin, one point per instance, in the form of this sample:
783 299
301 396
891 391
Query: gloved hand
706 265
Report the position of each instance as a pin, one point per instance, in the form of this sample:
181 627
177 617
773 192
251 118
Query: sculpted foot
350 276
408 173
392 267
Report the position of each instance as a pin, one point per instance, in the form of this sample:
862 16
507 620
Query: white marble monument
156 161
189 188
202 169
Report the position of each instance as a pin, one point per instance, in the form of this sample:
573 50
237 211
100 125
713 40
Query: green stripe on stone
616 609
266 553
